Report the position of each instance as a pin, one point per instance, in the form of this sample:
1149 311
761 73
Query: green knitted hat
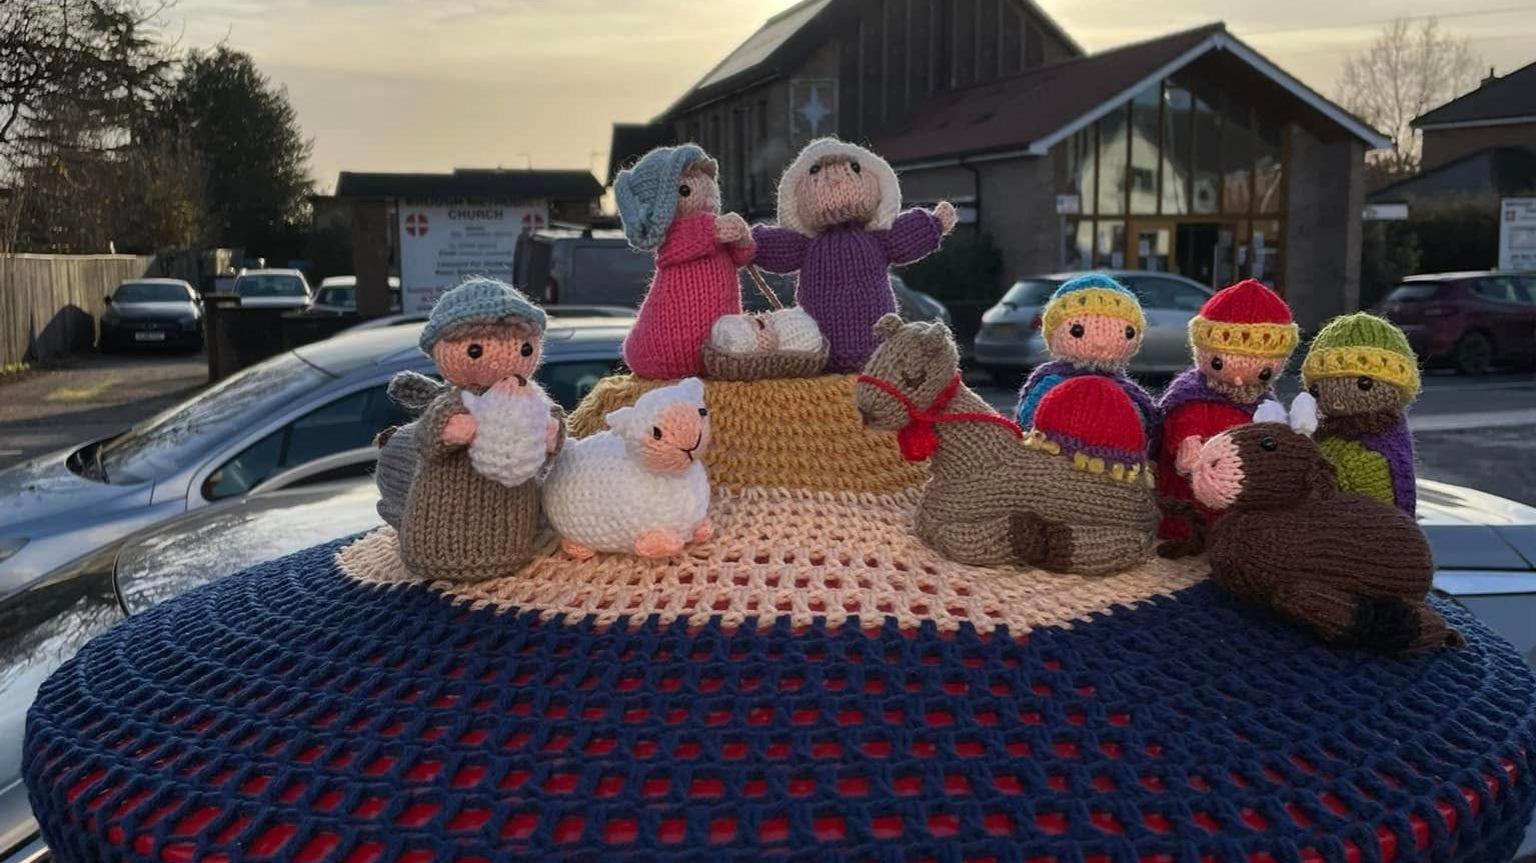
1362 344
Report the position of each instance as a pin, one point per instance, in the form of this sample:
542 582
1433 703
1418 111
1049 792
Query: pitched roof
1500 170
631 141
473 184
1033 110
1509 97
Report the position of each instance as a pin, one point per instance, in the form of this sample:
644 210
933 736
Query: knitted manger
811 684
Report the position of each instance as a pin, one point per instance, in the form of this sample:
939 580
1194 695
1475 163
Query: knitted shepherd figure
669 203
1352 570
1092 325
841 227
473 508
1364 375
1241 340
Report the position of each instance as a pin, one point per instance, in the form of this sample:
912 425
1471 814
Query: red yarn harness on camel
918 438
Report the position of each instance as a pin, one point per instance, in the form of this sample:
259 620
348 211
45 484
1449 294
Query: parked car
337 295
1472 321
159 312
297 407
1010 343
1485 548
283 289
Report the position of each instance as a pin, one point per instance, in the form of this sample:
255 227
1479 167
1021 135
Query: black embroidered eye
1315 390
1267 444
656 432
1216 364
1130 333
1365 383
527 349
1076 331
683 191
815 169
1265 375
703 412
474 351
853 166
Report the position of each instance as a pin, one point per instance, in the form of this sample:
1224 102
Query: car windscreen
269 286
1029 292
335 297
150 292
1413 292
170 440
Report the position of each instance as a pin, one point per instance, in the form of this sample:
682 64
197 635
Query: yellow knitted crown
1093 301
1362 344
1254 340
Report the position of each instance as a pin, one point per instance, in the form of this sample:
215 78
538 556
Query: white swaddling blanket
512 422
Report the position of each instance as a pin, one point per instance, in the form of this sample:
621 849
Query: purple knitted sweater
845 281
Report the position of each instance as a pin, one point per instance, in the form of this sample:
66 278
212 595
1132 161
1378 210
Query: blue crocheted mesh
291 714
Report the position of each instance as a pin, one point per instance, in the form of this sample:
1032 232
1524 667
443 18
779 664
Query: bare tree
1407 71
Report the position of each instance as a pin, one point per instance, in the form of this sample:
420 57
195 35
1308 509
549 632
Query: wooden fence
49 304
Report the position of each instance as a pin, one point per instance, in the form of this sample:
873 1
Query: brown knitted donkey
1353 570
994 496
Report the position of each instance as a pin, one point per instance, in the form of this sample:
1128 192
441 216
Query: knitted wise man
1364 375
1092 325
669 203
841 226
1241 340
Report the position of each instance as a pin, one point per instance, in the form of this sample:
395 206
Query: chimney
1490 79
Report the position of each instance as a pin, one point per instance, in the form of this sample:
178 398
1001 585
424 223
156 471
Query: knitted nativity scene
792 590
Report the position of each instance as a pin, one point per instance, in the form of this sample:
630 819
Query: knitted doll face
837 190
918 359
476 356
1338 397
697 191
1240 377
1263 465
1098 341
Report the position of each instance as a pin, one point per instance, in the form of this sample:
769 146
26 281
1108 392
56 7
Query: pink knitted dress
695 284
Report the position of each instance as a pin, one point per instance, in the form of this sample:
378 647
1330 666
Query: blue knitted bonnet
478 298
647 193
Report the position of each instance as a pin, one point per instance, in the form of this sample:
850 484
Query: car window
346 423
1029 292
1501 289
1525 289
335 297
150 292
1413 293
569 382
1169 294
269 286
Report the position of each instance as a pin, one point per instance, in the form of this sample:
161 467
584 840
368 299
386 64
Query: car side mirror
108 299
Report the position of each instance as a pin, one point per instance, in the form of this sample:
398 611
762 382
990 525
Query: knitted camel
1353 570
1052 500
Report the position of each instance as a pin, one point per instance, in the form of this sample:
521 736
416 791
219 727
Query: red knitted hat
1094 413
1245 318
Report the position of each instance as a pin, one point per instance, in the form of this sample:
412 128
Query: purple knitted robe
845 283
1396 446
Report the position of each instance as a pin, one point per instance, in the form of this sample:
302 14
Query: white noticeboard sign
442 244
1517 234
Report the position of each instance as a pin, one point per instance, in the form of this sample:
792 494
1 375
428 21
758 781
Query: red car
1472 321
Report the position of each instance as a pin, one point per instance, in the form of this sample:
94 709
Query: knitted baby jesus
669 203
473 508
1363 374
840 227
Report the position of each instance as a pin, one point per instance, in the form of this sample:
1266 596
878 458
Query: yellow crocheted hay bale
793 433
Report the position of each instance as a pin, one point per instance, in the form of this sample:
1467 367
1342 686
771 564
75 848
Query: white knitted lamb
640 486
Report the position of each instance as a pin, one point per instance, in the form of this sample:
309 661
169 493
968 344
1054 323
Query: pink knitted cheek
499 358
703 195
1239 369
683 432
1218 475
1103 339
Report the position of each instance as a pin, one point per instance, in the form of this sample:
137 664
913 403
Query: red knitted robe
1189 415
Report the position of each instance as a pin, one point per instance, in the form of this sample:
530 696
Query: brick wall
1325 193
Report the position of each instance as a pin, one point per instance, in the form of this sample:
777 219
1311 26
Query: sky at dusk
428 85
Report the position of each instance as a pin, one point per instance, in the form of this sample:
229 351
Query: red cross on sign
532 220
416 224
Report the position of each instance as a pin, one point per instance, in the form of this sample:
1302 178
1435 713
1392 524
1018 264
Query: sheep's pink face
697 191
476 357
679 435
836 190
1098 340
1217 476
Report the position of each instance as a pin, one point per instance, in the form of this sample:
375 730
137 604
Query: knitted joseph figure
473 508
840 227
1241 340
1364 375
1092 325
669 203
1354 571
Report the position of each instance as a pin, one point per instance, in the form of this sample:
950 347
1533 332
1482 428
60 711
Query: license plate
149 337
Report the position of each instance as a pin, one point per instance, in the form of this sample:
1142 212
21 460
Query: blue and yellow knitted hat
477 299
647 193
1092 294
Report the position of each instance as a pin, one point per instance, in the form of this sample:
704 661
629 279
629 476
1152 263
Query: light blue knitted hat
478 299
647 192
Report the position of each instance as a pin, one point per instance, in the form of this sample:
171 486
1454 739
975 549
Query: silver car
297 407
1010 343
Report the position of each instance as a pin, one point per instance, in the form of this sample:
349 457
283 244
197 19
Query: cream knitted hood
890 190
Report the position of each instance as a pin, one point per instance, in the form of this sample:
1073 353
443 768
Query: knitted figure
1092 325
639 487
669 203
1364 375
1074 496
1353 570
460 524
1241 340
396 467
839 226
779 344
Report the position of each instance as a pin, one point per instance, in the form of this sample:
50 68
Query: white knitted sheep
512 430
640 486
